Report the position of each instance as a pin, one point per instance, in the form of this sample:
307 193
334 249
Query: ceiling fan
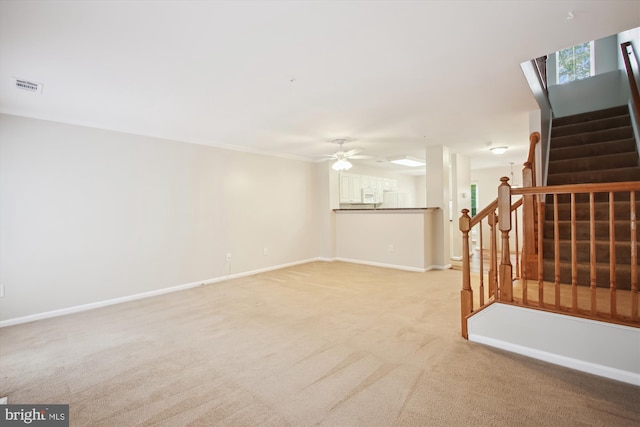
342 163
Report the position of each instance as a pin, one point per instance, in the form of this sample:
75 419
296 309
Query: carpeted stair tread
591 126
593 147
613 134
583 229
606 175
593 163
591 115
565 199
622 210
622 248
623 274
627 145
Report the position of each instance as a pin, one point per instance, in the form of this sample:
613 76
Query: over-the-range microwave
369 195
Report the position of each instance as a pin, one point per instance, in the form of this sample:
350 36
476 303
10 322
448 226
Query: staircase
593 147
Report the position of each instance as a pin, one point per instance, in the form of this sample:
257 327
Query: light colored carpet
332 344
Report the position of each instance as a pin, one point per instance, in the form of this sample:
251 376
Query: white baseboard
440 267
149 294
380 264
556 359
600 348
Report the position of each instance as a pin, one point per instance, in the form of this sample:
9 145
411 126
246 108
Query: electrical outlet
265 251
1 290
228 256
392 248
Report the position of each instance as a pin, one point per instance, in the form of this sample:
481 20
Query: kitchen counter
400 238
399 210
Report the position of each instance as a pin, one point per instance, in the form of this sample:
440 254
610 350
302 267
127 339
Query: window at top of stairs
575 63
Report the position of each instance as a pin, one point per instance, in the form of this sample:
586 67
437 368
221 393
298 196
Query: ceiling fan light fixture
409 161
341 165
498 150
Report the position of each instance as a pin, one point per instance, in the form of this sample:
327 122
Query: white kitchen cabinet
389 184
350 188
369 182
352 185
379 189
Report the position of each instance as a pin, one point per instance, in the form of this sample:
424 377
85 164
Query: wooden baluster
540 253
612 255
574 256
518 275
525 286
634 259
529 226
592 253
504 224
466 294
493 257
556 250
481 271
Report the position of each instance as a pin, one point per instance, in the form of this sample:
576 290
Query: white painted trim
128 298
596 368
380 264
556 359
263 270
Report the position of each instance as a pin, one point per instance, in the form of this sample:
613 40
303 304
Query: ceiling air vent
28 85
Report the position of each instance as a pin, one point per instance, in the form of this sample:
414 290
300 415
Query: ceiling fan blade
353 152
360 157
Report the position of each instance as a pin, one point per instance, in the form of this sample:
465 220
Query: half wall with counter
397 238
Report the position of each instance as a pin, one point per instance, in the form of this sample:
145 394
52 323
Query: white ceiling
285 77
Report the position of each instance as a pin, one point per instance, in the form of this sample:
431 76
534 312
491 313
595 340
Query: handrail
633 84
534 139
483 213
603 187
623 304
466 223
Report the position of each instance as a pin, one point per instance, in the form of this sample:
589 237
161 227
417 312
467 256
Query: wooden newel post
504 225
534 138
466 294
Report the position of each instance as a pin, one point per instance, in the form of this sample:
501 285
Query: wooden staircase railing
585 301
529 211
495 276
631 67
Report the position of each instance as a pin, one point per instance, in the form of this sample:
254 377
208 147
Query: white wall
89 215
604 349
595 93
438 195
603 90
327 198
487 181
460 197
392 238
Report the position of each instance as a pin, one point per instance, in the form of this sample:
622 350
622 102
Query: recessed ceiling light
410 161
498 150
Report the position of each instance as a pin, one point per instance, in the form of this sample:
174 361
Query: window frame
592 63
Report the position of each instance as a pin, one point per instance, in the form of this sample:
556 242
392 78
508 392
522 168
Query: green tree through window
474 202
575 63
